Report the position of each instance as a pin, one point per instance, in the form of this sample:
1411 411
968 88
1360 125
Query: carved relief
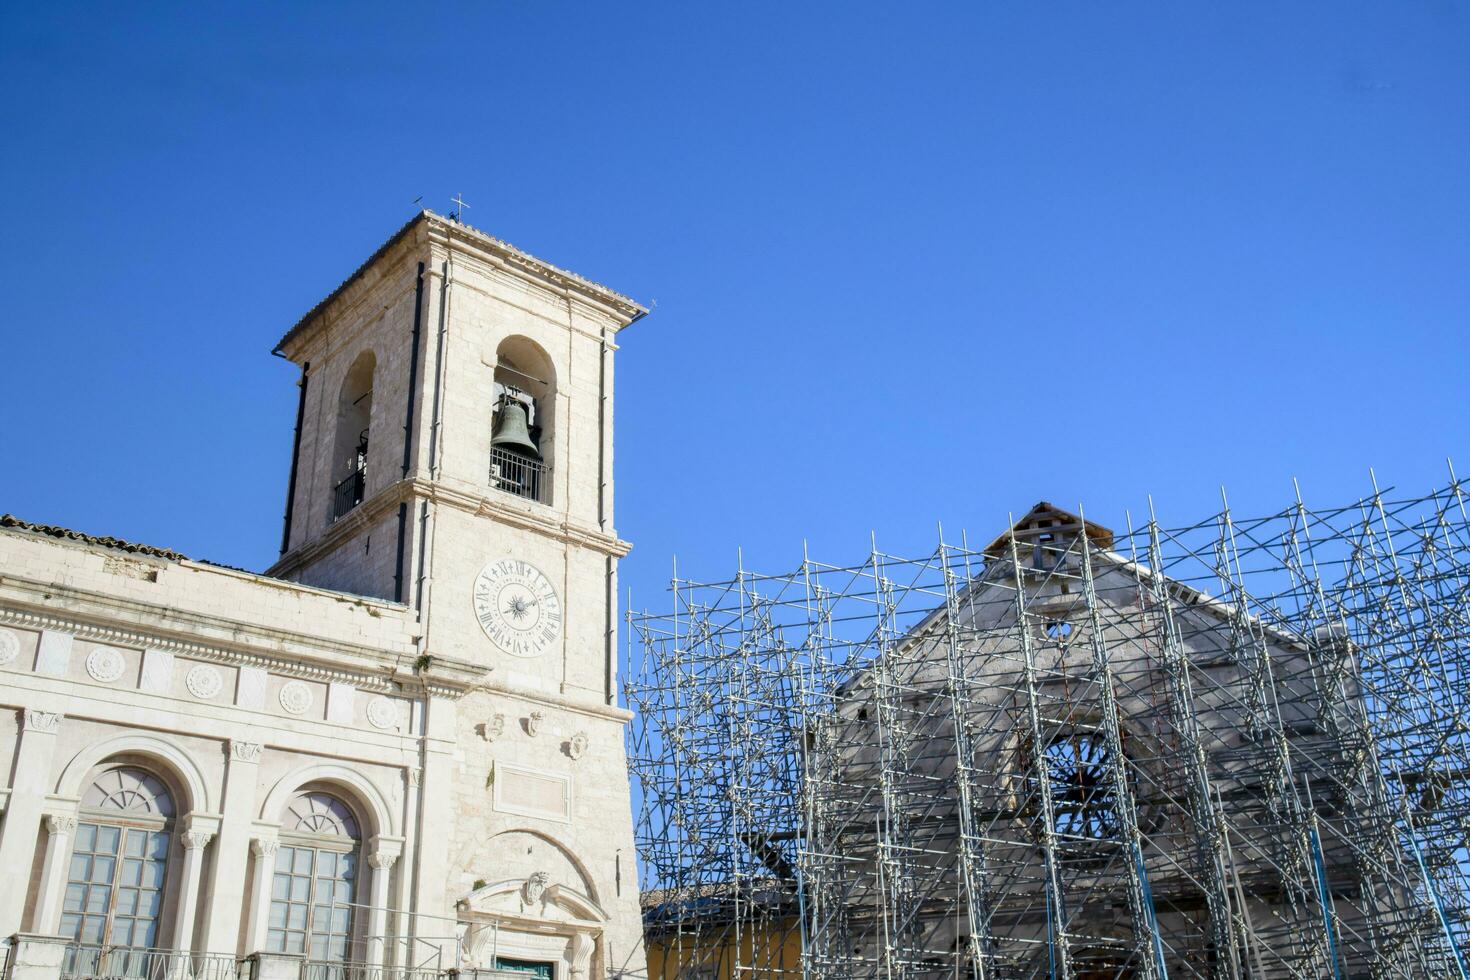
534 888
382 713
533 723
42 721
158 671
493 728
295 697
576 746
244 751
250 689
204 681
9 646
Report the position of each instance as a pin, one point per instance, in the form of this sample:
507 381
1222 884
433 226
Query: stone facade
346 707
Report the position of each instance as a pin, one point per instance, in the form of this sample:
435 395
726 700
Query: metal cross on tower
458 200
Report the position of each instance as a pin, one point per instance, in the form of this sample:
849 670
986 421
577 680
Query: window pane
127 901
96 903
303 861
296 917
151 904
299 888
92 929
86 836
74 895
136 843
107 840
283 859
81 867
102 867
158 846
326 864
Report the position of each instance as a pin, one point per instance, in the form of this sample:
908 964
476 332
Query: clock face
517 607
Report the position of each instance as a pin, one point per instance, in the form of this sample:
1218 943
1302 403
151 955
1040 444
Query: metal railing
84 962
348 493
351 970
517 474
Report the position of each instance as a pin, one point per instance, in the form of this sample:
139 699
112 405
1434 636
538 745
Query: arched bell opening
523 429
350 446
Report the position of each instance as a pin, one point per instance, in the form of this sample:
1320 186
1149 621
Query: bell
511 431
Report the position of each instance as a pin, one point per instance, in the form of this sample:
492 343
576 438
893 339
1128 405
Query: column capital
61 823
41 721
264 847
196 839
382 860
242 751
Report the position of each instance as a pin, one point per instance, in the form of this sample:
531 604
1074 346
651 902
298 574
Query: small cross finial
458 214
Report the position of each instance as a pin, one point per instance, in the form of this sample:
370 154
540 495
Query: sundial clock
517 607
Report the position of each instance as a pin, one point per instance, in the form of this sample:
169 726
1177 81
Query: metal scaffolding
1239 748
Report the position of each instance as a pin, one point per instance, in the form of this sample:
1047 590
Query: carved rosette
105 664
204 681
9 646
296 697
382 713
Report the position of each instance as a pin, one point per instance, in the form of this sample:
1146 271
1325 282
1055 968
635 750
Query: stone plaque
529 793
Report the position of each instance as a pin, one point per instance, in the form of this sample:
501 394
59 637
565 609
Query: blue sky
912 262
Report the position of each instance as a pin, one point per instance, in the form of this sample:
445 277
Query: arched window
119 863
315 881
523 430
350 449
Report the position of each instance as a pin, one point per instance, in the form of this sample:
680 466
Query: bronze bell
511 431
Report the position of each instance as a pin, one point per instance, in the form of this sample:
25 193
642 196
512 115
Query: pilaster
30 782
227 886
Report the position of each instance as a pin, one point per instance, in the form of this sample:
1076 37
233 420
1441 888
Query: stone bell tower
453 453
